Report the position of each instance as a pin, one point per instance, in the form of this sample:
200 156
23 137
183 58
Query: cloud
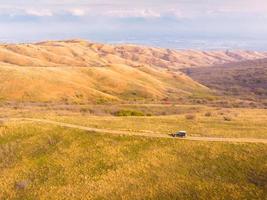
138 8
141 13
78 18
77 12
39 13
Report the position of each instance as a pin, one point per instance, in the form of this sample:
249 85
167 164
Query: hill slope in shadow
246 79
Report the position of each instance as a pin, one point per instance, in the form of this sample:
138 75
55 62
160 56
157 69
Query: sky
167 23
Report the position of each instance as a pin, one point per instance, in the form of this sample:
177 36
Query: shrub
221 113
86 110
208 114
79 95
163 113
101 101
190 117
227 118
129 113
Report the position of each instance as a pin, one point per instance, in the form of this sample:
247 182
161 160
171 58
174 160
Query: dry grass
243 122
79 82
85 54
78 72
221 123
76 85
41 162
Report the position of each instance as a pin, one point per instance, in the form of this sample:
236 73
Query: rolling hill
77 71
79 53
246 79
122 148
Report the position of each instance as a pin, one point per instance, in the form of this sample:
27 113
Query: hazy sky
140 20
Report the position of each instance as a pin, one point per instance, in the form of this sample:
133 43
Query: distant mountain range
169 41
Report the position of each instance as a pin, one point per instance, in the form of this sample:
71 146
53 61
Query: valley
84 120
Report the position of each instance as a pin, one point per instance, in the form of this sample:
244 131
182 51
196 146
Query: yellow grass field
48 162
242 123
203 121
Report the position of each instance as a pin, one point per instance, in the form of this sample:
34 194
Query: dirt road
116 132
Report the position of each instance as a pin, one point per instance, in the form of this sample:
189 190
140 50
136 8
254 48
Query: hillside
111 109
78 71
246 79
79 53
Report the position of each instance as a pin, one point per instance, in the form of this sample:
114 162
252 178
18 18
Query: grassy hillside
87 54
46 162
76 72
132 89
83 72
94 84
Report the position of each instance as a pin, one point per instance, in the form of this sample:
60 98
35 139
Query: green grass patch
129 113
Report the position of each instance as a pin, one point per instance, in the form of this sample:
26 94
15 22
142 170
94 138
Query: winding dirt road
153 135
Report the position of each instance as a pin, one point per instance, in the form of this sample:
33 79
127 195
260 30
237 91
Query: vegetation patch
125 113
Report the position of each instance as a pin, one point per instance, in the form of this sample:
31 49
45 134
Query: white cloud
137 8
183 17
145 13
77 12
39 13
